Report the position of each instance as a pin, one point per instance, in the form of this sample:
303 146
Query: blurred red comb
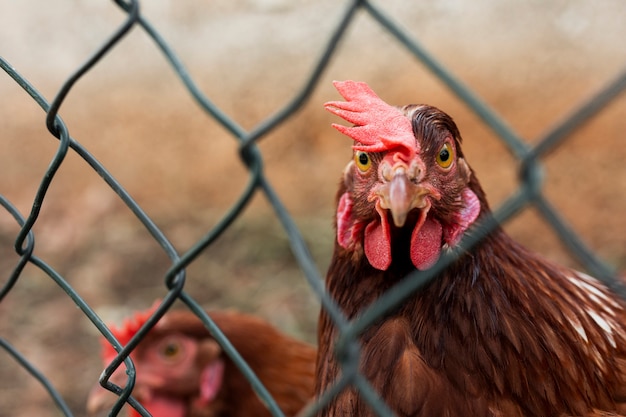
130 327
378 126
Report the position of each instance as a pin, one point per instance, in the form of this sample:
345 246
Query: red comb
378 126
123 334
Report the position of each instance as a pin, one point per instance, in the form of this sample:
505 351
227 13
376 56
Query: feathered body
183 372
501 332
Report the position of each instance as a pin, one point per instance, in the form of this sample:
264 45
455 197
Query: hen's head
407 174
179 368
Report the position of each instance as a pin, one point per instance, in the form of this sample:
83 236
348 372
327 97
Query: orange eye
363 161
445 156
171 350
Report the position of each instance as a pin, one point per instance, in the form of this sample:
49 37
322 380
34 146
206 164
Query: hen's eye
171 350
445 157
362 160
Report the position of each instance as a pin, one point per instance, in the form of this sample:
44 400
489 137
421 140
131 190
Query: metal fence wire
529 193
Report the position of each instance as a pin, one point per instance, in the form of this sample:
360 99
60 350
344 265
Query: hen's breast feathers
548 336
501 332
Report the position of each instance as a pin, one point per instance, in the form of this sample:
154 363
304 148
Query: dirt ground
183 169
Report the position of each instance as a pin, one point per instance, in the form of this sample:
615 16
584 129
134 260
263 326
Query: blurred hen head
407 174
177 369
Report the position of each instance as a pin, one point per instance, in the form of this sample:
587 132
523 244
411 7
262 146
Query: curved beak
99 400
400 195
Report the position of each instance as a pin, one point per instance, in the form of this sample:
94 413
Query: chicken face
407 173
181 370
176 372
172 368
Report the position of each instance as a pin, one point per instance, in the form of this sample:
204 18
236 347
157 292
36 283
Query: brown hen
183 372
500 332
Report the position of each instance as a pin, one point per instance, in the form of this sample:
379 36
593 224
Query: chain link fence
529 193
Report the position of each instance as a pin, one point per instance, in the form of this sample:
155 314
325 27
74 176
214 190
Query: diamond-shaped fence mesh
172 285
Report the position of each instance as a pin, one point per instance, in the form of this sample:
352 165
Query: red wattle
426 244
211 381
160 406
378 245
